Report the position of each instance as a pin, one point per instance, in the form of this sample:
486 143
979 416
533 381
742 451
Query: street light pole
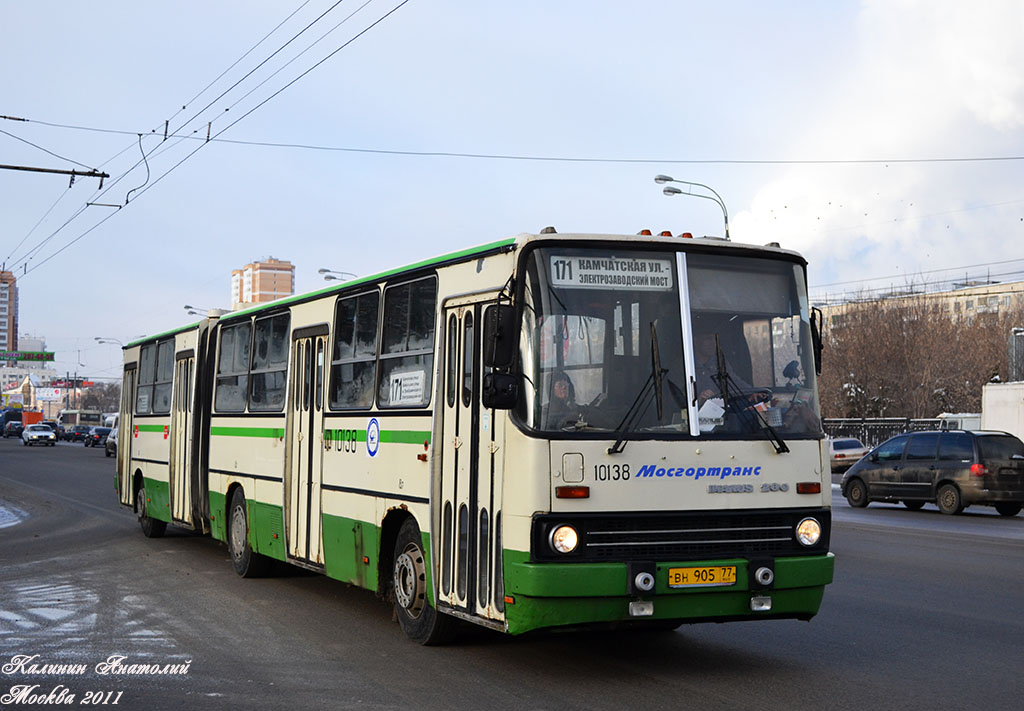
670 190
331 275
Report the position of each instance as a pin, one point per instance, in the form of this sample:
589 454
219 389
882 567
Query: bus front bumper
541 595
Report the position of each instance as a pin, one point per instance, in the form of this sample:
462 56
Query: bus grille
681 536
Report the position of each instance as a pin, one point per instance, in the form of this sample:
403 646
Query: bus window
233 368
354 361
269 363
407 353
164 375
147 374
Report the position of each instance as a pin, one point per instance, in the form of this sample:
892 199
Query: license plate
707 576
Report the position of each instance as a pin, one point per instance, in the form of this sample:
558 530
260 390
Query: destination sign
628 273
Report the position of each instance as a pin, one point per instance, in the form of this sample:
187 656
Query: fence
872 431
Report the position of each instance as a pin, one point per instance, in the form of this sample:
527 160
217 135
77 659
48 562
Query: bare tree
909 357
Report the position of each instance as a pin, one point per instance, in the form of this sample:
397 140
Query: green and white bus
547 431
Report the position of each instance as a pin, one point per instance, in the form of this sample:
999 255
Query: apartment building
262 281
8 312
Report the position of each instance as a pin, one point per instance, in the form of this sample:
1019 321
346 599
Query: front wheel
151 527
1008 509
419 619
857 494
949 500
247 562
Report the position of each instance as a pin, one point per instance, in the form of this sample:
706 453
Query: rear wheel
419 619
913 505
949 500
1008 509
151 527
247 562
857 493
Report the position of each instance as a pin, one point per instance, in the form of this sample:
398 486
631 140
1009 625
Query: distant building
260 282
8 312
963 303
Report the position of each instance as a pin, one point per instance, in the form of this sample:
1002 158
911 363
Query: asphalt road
925 613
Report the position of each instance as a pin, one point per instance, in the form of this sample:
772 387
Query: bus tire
914 505
247 562
1008 508
857 493
151 527
418 618
949 500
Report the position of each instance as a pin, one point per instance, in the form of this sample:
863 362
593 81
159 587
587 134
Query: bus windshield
643 344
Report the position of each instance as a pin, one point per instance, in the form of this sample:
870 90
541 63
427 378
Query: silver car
844 452
38 434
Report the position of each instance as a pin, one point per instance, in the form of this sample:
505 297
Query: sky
884 140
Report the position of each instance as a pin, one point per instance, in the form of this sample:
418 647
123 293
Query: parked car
13 429
96 436
38 434
111 445
953 468
844 452
77 433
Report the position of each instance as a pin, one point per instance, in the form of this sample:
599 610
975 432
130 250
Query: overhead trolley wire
143 190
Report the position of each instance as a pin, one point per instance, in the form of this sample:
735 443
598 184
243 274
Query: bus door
304 473
181 440
469 508
126 435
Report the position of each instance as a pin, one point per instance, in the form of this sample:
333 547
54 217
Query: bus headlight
808 531
564 539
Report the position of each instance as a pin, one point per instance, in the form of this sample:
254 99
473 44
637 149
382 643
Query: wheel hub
409 572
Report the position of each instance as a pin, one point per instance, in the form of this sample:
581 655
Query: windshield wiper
651 386
730 392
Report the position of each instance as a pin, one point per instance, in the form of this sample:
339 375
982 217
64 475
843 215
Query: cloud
929 80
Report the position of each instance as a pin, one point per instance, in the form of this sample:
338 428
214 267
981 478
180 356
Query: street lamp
331 275
671 190
195 311
112 341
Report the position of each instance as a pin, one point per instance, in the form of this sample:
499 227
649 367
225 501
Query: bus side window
147 374
354 357
233 368
269 363
407 351
164 375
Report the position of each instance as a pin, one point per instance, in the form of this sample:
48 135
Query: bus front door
304 473
181 440
468 514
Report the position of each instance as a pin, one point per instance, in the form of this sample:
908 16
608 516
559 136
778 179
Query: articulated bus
553 430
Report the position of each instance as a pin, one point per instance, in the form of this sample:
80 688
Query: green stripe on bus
386 436
272 432
151 428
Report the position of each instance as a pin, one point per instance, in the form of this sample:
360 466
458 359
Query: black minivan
953 469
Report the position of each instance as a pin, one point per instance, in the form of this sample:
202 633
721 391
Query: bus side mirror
499 336
816 342
501 391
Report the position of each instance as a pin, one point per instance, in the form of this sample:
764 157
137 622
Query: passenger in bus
562 407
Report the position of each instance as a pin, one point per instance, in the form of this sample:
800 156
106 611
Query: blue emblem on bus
372 437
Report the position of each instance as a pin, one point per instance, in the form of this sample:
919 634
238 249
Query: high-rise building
262 281
8 312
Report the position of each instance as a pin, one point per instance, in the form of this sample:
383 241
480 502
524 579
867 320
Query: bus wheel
949 500
857 493
248 563
151 527
420 621
913 505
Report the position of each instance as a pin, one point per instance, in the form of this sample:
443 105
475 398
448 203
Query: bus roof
504 245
